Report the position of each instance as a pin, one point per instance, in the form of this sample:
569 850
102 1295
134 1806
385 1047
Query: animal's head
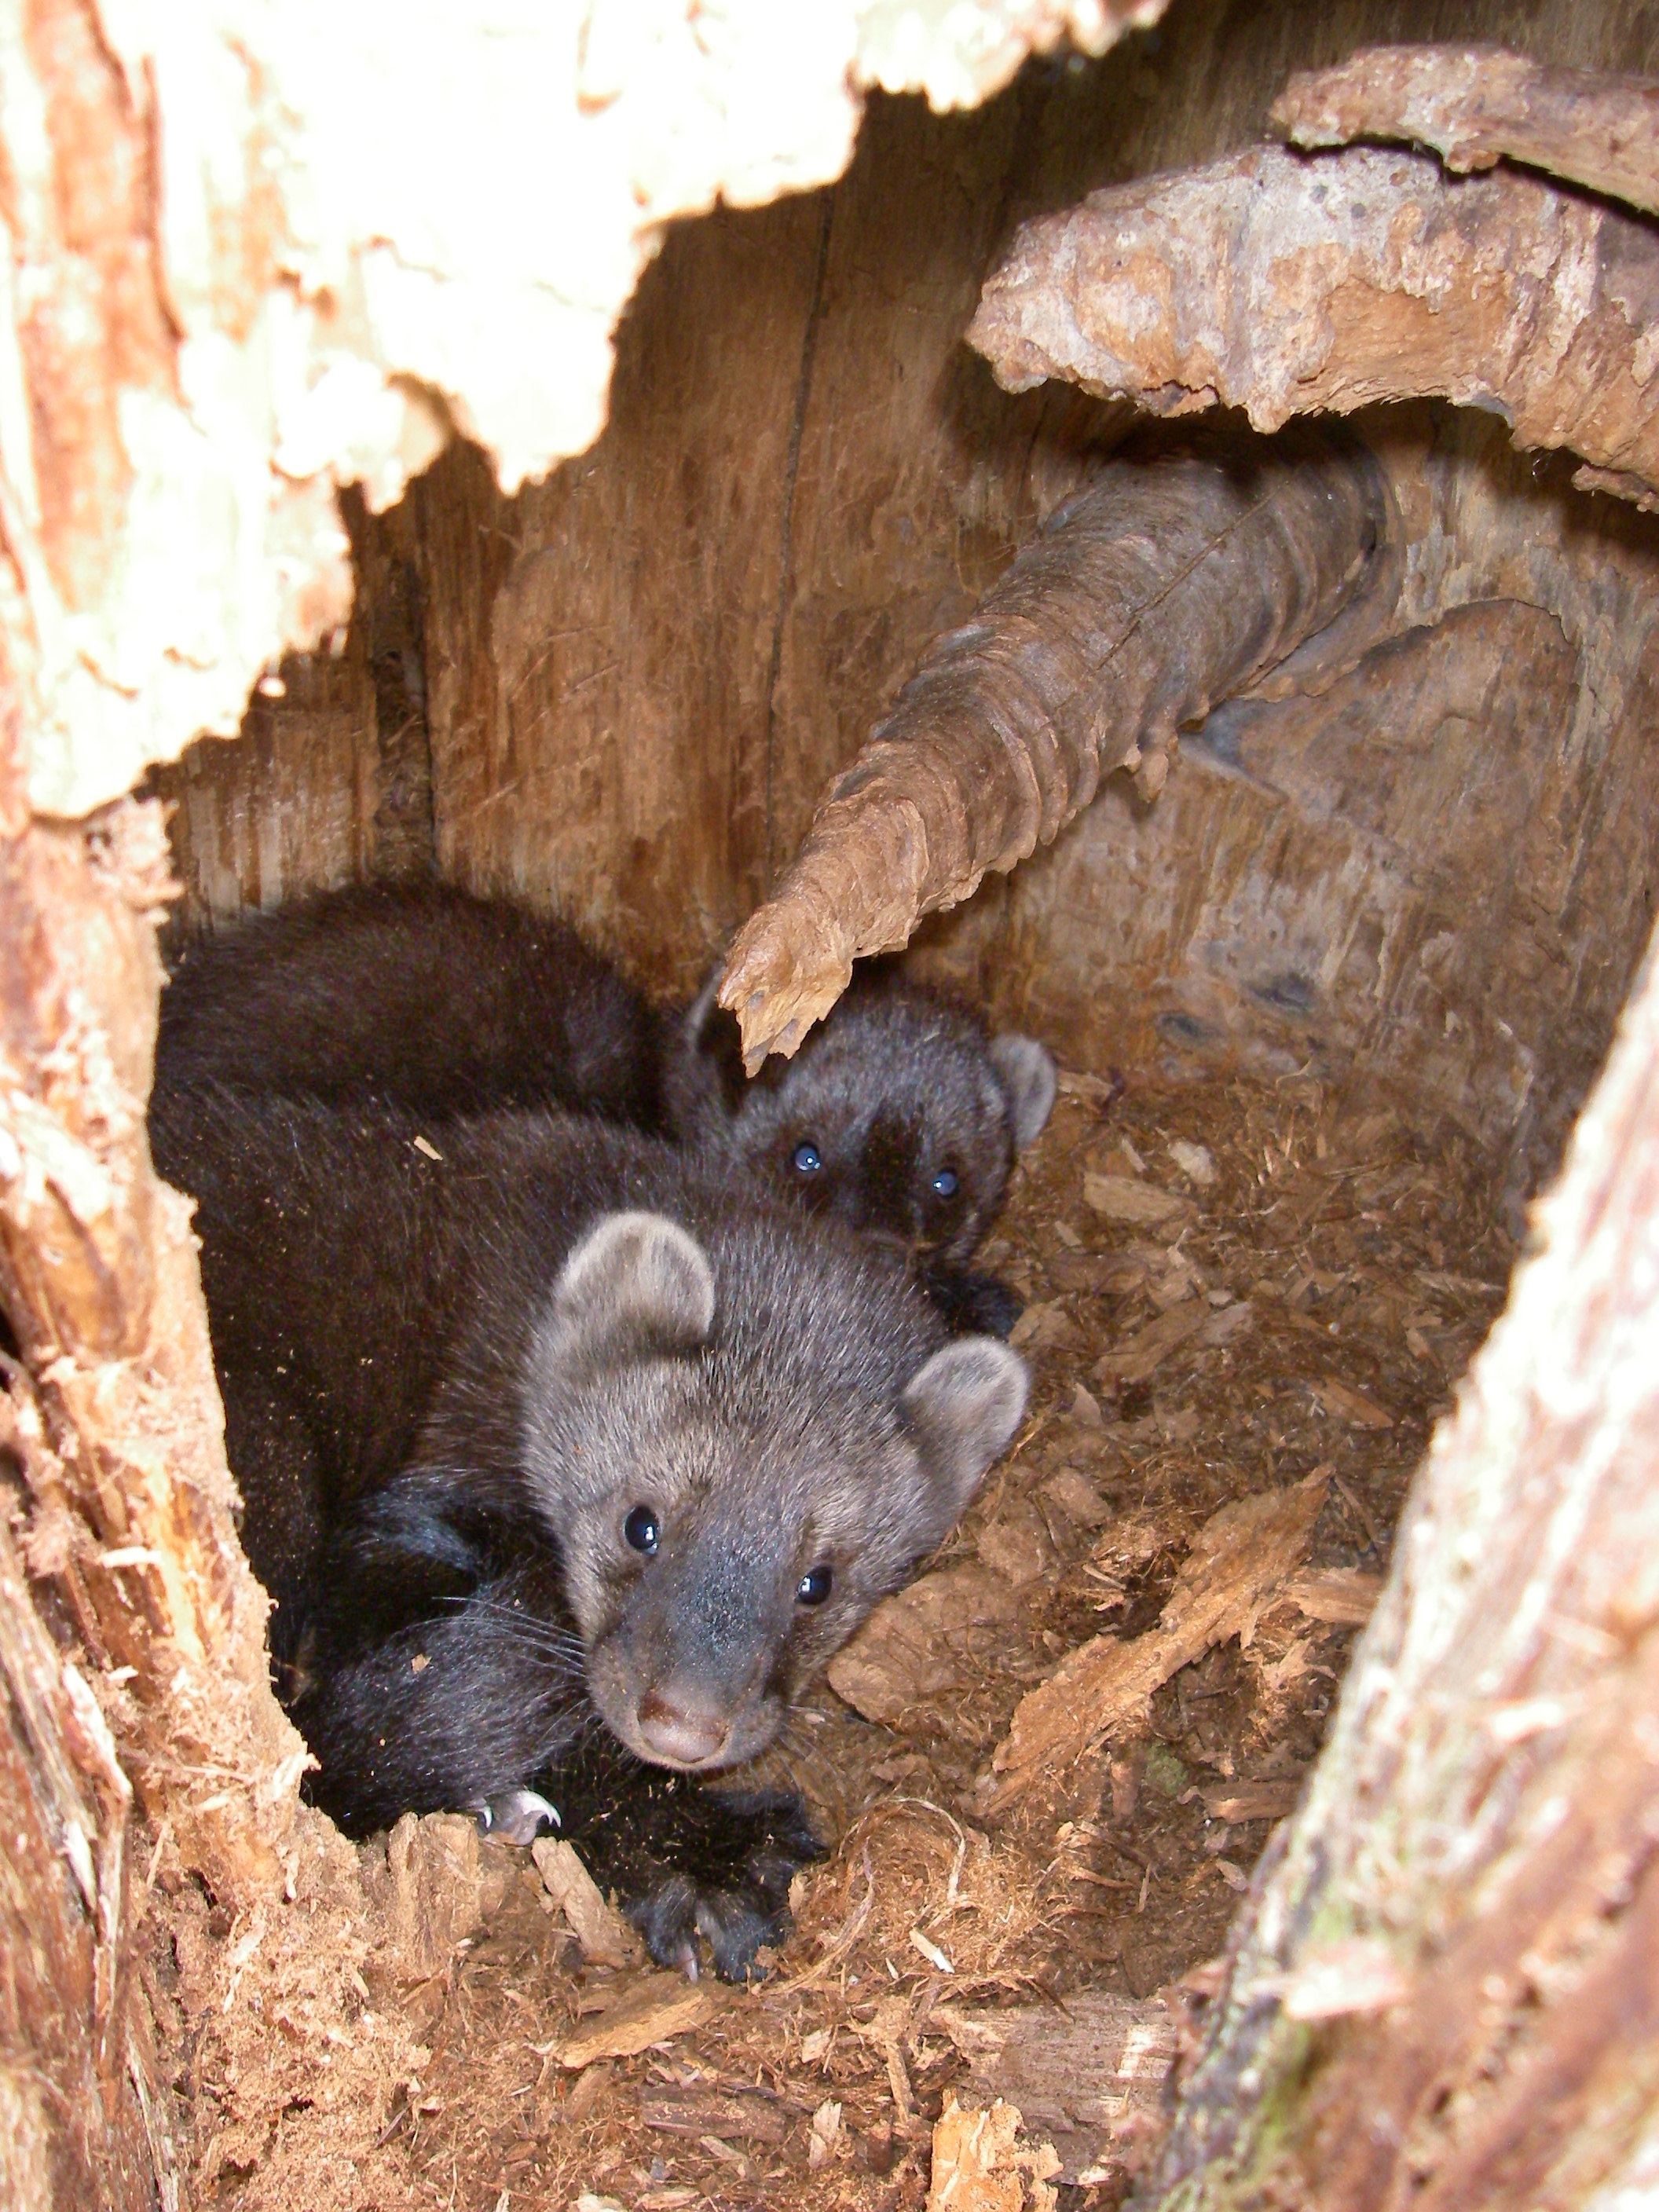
741 1443
898 1115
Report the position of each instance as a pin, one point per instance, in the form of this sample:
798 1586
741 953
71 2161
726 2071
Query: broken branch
1159 590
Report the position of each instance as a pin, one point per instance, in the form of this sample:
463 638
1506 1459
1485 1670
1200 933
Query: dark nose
684 1735
885 1191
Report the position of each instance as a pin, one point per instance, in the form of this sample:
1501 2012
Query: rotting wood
63 1803
1289 285
99 1279
980 2164
1476 106
649 2009
1158 591
1240 1561
1089 2073
1483 1809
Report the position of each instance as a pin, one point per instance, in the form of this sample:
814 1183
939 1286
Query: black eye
946 1183
642 1530
806 1159
813 1589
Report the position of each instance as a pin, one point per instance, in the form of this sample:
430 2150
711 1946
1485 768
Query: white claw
517 1815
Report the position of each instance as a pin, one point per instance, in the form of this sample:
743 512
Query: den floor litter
1047 1769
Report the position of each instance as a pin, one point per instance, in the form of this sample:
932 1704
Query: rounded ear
1025 1074
962 1409
637 1283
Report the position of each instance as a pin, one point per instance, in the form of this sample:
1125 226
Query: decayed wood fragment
980 2164
1087 2073
1241 1558
654 2009
1483 1811
98 1277
1159 590
1290 286
1476 106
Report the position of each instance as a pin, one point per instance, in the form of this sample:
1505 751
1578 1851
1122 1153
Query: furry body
453 1385
418 994
426 997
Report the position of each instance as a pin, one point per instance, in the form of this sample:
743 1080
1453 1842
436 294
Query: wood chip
1087 2072
1343 1595
1122 1198
1239 1801
1016 1546
746 2115
1076 1498
649 2011
1197 1162
1240 1561
1351 1404
979 2166
1146 1352
605 1937
823 2135
1046 1327
1097 1274
899 1659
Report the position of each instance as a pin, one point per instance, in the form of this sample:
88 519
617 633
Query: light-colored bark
258 252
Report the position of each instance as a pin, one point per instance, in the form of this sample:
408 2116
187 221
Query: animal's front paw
732 1886
973 1305
517 1816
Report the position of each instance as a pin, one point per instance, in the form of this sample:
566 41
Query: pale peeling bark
1289 286
1476 106
1161 589
1481 1821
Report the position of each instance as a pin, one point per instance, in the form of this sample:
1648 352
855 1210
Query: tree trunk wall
622 691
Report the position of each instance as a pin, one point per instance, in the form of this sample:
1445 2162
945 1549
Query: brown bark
1159 590
1476 106
1483 1812
1286 286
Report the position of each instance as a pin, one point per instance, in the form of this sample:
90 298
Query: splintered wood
1158 591
981 2166
1286 286
1240 1561
1088 2074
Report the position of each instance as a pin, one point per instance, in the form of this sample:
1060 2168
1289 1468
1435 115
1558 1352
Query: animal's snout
682 1735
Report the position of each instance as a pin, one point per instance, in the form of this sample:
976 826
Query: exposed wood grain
1088 2073
1160 589
1287 286
99 1279
1476 106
